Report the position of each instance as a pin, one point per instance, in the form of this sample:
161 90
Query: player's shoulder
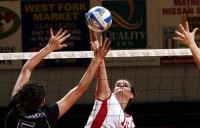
15 118
12 119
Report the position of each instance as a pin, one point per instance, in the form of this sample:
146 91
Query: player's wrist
97 59
192 45
48 47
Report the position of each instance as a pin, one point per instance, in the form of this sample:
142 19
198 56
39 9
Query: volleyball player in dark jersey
27 107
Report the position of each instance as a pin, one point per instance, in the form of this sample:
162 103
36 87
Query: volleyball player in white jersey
187 38
108 110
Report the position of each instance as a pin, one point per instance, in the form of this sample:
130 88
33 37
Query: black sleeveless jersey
44 118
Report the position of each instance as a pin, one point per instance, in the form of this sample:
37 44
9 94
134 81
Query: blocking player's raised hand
101 51
56 41
185 35
188 38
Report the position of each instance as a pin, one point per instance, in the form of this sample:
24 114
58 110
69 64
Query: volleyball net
167 83
89 54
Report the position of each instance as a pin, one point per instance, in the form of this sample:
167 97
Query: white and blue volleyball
99 19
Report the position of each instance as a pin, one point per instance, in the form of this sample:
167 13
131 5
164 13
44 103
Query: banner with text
178 11
128 29
10 32
37 18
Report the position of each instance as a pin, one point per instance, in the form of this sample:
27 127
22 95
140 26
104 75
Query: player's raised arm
55 43
188 38
102 88
73 95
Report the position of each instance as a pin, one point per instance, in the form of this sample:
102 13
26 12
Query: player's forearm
37 58
29 66
70 98
102 89
196 53
102 74
88 76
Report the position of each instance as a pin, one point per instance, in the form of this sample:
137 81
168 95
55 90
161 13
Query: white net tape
89 54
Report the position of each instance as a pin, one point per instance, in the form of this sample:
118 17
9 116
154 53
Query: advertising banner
39 16
173 13
10 32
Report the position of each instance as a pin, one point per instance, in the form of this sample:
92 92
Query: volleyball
99 19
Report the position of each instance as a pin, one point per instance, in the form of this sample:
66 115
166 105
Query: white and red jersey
109 114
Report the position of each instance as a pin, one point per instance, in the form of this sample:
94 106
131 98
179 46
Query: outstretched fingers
185 31
195 30
105 42
182 29
51 32
102 51
58 33
185 35
179 35
56 42
106 46
187 27
62 34
65 37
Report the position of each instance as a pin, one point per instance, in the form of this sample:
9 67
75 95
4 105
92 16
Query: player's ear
131 95
43 102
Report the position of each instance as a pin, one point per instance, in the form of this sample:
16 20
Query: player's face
123 86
